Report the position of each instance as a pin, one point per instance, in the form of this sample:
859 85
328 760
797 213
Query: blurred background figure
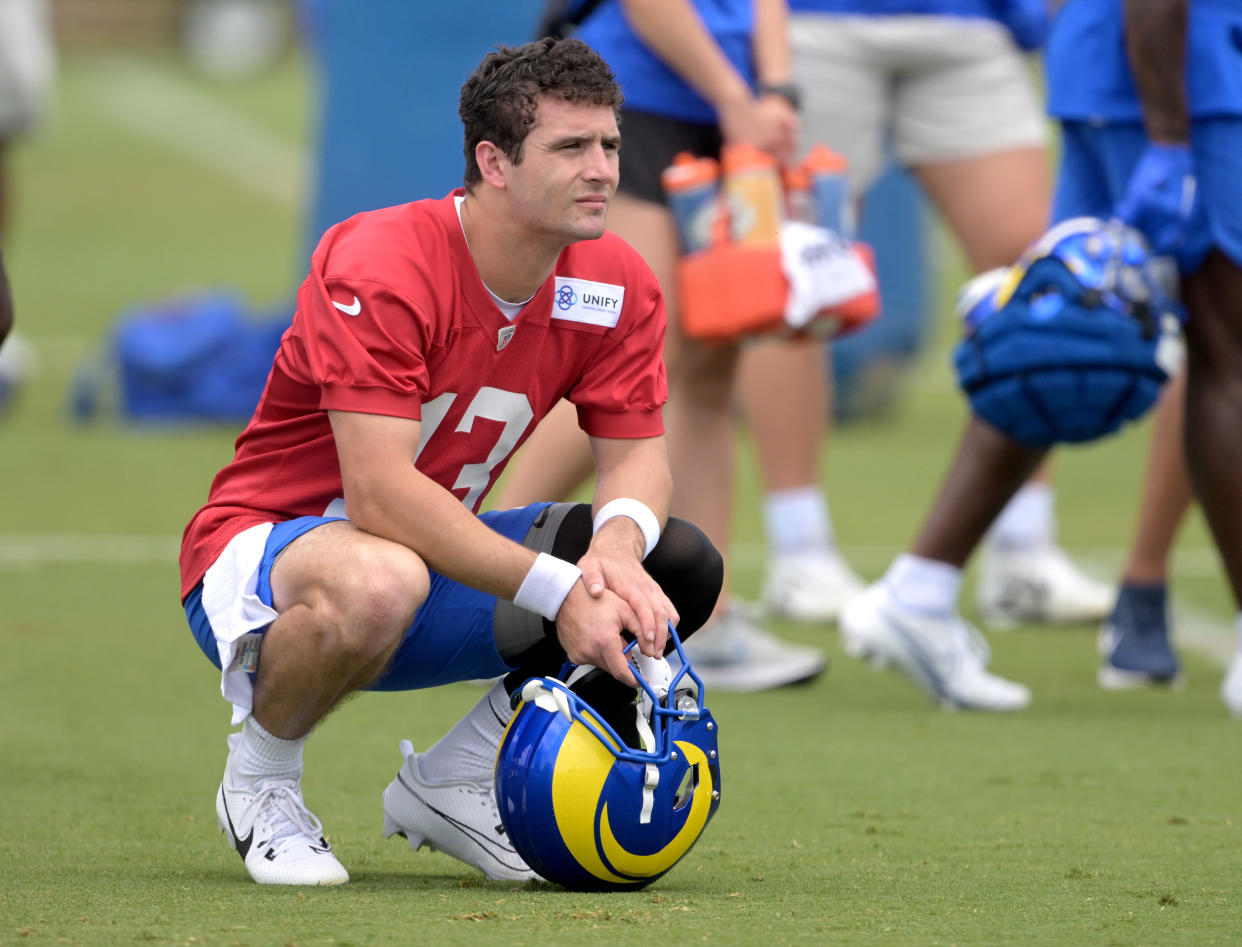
696 76
27 66
946 85
1149 96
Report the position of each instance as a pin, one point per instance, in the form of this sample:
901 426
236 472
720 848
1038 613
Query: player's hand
768 122
612 563
590 629
1160 196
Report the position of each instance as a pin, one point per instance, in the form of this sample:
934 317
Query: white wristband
546 585
636 510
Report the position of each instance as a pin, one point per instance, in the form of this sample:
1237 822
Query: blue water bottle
830 190
693 186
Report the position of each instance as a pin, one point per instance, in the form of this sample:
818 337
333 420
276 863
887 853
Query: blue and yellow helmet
587 811
1073 340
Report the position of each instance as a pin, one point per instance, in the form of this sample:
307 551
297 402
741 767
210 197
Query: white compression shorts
937 88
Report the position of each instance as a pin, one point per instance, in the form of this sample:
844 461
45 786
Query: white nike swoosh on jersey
351 310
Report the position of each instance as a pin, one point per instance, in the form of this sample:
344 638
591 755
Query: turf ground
853 811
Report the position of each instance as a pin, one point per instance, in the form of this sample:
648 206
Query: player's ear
493 163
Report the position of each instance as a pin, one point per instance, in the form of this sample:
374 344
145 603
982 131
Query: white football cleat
458 818
279 839
1040 586
732 653
945 656
809 587
1231 686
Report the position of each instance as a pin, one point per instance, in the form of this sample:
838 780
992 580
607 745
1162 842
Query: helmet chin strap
659 675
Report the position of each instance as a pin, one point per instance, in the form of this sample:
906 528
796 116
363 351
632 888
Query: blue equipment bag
1074 340
198 358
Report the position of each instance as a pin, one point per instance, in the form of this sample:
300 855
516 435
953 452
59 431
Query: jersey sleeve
363 345
623 390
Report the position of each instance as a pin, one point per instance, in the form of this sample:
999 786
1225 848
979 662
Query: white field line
162 109
1195 628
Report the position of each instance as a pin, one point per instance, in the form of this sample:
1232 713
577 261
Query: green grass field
853 810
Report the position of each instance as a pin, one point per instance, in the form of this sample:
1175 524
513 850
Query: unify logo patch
581 300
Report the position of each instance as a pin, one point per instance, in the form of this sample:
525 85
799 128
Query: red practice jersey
394 320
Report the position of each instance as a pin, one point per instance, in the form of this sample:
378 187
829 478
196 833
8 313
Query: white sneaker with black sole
944 655
810 587
279 839
1041 585
458 818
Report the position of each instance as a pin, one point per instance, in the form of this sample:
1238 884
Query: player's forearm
413 510
1155 32
636 470
673 30
771 42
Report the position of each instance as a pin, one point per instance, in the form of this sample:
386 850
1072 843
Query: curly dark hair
498 101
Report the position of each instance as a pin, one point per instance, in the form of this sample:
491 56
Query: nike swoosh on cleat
495 848
241 844
352 309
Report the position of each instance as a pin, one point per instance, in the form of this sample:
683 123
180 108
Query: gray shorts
932 88
27 63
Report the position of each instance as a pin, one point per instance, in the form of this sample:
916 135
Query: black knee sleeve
684 562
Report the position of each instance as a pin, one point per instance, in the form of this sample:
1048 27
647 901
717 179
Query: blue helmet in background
587 811
1073 340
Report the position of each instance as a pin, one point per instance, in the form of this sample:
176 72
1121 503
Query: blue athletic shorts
1097 160
451 638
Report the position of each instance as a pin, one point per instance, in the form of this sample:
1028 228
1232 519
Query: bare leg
987 470
787 399
1167 493
996 205
337 628
1213 421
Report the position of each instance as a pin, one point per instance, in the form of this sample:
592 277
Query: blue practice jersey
985 9
651 86
1089 76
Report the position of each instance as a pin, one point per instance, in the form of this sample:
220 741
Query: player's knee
375 599
689 569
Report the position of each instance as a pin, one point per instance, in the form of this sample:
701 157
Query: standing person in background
1153 128
947 82
696 75
27 64
1151 133
1135 641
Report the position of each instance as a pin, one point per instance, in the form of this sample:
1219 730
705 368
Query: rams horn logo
590 813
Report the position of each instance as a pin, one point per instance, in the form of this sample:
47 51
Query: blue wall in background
390 72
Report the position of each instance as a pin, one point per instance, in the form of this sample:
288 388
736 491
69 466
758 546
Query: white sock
1027 520
924 585
797 521
256 755
468 751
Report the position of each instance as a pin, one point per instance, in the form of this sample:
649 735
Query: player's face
568 171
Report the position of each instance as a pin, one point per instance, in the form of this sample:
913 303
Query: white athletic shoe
460 819
1041 586
1231 686
278 838
810 587
944 656
732 653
